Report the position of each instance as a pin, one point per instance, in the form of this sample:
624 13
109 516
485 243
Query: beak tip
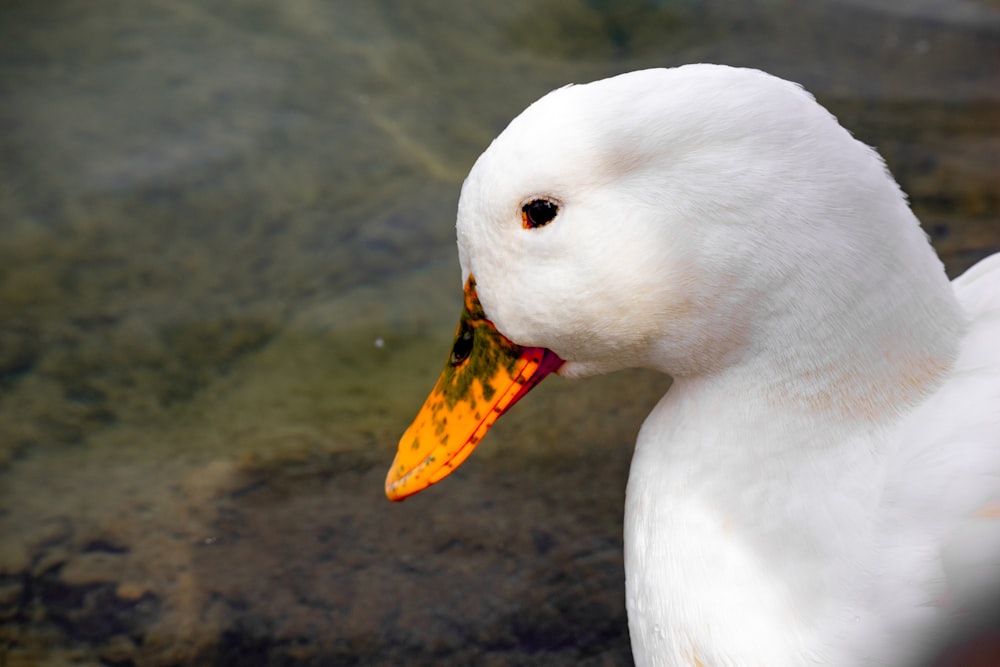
397 493
393 482
391 493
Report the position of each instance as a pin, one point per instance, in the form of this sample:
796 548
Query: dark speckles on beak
483 368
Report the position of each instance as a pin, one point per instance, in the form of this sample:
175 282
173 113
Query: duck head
669 218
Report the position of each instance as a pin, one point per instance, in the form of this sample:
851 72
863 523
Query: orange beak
484 376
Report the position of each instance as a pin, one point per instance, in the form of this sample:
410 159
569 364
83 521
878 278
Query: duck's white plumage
821 484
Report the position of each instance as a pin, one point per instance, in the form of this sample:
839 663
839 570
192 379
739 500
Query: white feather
821 485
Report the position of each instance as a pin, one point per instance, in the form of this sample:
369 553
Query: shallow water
228 278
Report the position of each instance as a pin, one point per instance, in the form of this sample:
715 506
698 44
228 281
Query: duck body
880 541
821 484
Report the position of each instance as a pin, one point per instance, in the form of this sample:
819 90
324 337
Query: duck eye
538 213
462 348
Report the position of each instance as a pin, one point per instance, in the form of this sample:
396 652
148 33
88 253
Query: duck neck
759 482
807 406
857 347
751 507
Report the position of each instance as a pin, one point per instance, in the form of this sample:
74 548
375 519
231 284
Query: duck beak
484 376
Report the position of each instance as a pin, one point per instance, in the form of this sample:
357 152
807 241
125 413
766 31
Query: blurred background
228 280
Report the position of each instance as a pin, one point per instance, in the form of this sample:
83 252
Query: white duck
821 484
